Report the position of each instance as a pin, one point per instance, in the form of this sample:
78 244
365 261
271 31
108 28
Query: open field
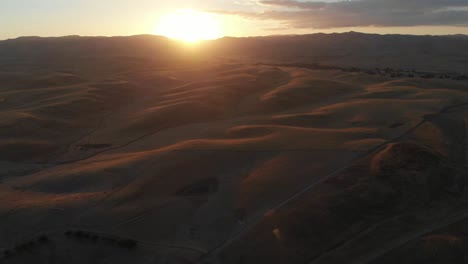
191 158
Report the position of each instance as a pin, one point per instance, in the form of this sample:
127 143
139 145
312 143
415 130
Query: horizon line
235 37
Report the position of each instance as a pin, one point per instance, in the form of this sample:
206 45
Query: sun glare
189 25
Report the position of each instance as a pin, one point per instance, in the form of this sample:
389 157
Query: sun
189 25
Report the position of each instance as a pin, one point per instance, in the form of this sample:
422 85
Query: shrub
20 248
127 243
110 240
79 233
94 238
43 239
7 253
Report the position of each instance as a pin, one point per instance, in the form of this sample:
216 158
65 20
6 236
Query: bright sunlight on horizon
189 25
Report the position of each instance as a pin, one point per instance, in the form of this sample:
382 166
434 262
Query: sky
237 17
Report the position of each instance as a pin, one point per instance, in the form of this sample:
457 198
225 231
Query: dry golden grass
190 153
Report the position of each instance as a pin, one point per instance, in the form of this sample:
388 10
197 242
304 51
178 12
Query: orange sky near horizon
232 18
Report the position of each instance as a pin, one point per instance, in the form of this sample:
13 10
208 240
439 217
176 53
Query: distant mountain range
354 49
443 53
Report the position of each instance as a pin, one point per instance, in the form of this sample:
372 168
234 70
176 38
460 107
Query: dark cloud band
383 13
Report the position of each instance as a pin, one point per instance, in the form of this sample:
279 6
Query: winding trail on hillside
210 254
213 253
410 236
256 219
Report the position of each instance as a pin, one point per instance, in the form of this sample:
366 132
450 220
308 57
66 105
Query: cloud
296 4
361 13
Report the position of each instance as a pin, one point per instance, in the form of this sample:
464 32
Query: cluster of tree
93 237
389 72
26 246
401 73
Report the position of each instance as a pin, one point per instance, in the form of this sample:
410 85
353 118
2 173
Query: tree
43 239
127 243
